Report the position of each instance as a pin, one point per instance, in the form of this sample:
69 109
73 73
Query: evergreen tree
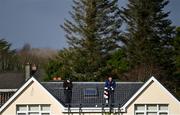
177 51
8 59
148 38
93 33
118 64
176 76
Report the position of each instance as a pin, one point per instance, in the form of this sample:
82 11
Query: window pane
151 107
21 113
163 114
45 108
151 113
139 113
45 114
163 107
140 107
33 113
90 92
33 108
21 108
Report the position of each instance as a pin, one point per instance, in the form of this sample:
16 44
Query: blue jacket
110 85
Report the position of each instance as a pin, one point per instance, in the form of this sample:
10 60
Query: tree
118 64
52 69
41 57
177 50
92 33
176 76
148 41
8 58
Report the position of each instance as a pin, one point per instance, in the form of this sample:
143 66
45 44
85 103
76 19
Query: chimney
27 71
33 69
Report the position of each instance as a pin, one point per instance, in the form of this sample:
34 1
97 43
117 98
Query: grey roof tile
123 92
11 80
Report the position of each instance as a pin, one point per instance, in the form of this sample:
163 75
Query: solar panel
90 92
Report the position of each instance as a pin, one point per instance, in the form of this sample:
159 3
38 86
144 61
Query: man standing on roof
109 88
67 85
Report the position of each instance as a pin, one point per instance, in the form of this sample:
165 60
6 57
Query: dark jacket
110 85
67 85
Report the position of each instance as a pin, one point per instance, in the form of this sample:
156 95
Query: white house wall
33 94
154 94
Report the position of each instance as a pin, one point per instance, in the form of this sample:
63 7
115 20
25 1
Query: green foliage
52 69
176 76
148 42
177 48
149 36
8 58
148 47
118 62
92 35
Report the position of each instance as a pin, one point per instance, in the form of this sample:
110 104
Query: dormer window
90 92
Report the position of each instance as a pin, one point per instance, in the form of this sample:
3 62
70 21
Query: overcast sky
37 21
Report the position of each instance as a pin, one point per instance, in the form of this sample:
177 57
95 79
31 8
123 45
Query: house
9 83
131 98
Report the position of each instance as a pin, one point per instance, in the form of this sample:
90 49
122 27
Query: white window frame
40 112
158 111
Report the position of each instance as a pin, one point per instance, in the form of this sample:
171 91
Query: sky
37 22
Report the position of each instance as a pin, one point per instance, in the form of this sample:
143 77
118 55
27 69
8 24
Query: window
33 109
151 109
90 92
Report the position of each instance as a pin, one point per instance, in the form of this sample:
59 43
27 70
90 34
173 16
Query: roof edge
95 82
31 80
8 90
152 79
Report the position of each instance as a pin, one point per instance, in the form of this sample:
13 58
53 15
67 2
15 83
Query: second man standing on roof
109 88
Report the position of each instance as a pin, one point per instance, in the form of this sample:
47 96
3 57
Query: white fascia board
8 90
49 94
16 94
31 80
152 79
137 93
164 89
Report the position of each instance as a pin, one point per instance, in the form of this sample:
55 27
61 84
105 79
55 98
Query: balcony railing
4 96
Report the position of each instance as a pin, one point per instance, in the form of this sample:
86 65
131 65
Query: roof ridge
95 82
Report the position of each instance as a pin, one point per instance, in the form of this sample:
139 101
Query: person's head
110 78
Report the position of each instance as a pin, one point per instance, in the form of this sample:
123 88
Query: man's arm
106 85
113 86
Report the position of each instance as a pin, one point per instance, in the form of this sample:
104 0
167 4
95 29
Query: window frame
145 111
90 95
39 111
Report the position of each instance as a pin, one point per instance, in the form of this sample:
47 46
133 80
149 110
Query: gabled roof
31 80
11 80
123 92
152 79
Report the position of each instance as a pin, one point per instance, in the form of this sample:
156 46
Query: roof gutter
8 90
91 110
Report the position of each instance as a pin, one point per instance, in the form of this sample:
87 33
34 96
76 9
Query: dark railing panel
4 96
